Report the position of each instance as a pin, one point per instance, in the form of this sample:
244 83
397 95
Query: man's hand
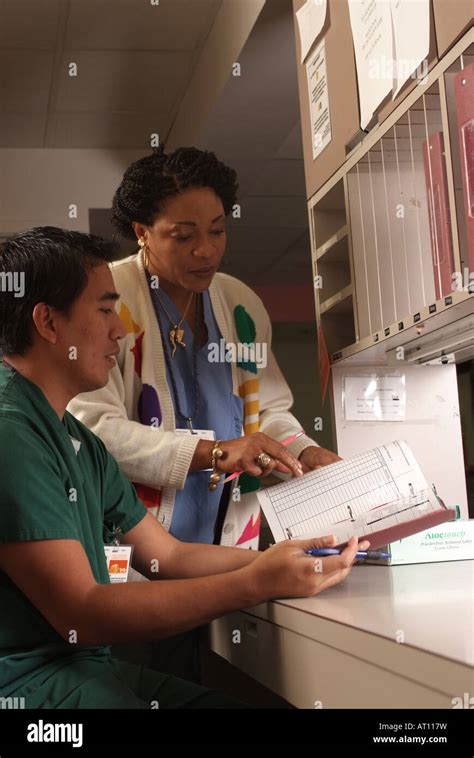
142 611
284 570
314 457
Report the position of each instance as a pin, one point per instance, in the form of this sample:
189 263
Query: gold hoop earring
144 248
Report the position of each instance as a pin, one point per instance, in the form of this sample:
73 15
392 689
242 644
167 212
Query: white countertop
432 604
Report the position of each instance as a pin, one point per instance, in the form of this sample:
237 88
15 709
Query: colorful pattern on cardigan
148 405
249 392
149 410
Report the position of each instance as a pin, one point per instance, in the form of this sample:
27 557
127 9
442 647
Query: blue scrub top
196 508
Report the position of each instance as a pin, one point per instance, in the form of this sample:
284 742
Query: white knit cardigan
154 456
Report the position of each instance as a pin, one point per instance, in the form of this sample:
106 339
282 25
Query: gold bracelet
215 477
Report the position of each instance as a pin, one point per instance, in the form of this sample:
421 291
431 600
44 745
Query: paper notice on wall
310 17
373 46
318 100
411 33
374 398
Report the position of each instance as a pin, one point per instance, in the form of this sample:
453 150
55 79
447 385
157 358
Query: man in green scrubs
62 497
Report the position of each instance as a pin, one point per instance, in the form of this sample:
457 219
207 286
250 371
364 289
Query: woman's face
187 240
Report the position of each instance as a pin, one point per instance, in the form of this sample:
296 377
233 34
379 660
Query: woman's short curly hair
154 178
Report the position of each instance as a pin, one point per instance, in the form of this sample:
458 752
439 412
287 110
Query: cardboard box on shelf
452 18
341 90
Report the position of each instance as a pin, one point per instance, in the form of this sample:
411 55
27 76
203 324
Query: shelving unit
388 229
391 221
337 320
332 263
333 242
334 268
338 299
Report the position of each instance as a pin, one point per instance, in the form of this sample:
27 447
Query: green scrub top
57 481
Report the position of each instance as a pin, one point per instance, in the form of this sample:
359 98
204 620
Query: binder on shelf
438 213
464 95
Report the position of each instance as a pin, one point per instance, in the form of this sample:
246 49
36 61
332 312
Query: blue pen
321 551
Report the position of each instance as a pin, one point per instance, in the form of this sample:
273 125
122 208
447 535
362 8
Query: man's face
89 335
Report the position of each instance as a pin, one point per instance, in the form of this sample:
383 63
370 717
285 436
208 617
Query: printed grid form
402 510
327 497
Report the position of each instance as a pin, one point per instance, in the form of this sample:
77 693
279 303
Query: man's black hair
53 265
156 177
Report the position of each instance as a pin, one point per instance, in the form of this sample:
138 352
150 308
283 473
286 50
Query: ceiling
137 66
255 128
134 61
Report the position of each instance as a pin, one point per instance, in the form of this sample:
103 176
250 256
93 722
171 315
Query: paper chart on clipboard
381 494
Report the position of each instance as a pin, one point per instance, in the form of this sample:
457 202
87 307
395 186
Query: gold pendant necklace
176 334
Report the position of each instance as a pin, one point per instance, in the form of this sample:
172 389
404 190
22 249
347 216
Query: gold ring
263 460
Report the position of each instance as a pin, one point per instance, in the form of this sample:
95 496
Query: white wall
39 185
432 426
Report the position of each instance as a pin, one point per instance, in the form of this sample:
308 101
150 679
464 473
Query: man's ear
44 318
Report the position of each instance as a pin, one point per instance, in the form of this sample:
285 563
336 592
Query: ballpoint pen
283 442
373 554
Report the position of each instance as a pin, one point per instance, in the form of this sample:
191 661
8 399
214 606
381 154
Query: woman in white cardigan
197 356
175 206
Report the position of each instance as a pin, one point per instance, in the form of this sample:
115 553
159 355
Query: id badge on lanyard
204 434
119 558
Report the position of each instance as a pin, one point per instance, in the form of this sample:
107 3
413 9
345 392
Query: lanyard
169 366
112 536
